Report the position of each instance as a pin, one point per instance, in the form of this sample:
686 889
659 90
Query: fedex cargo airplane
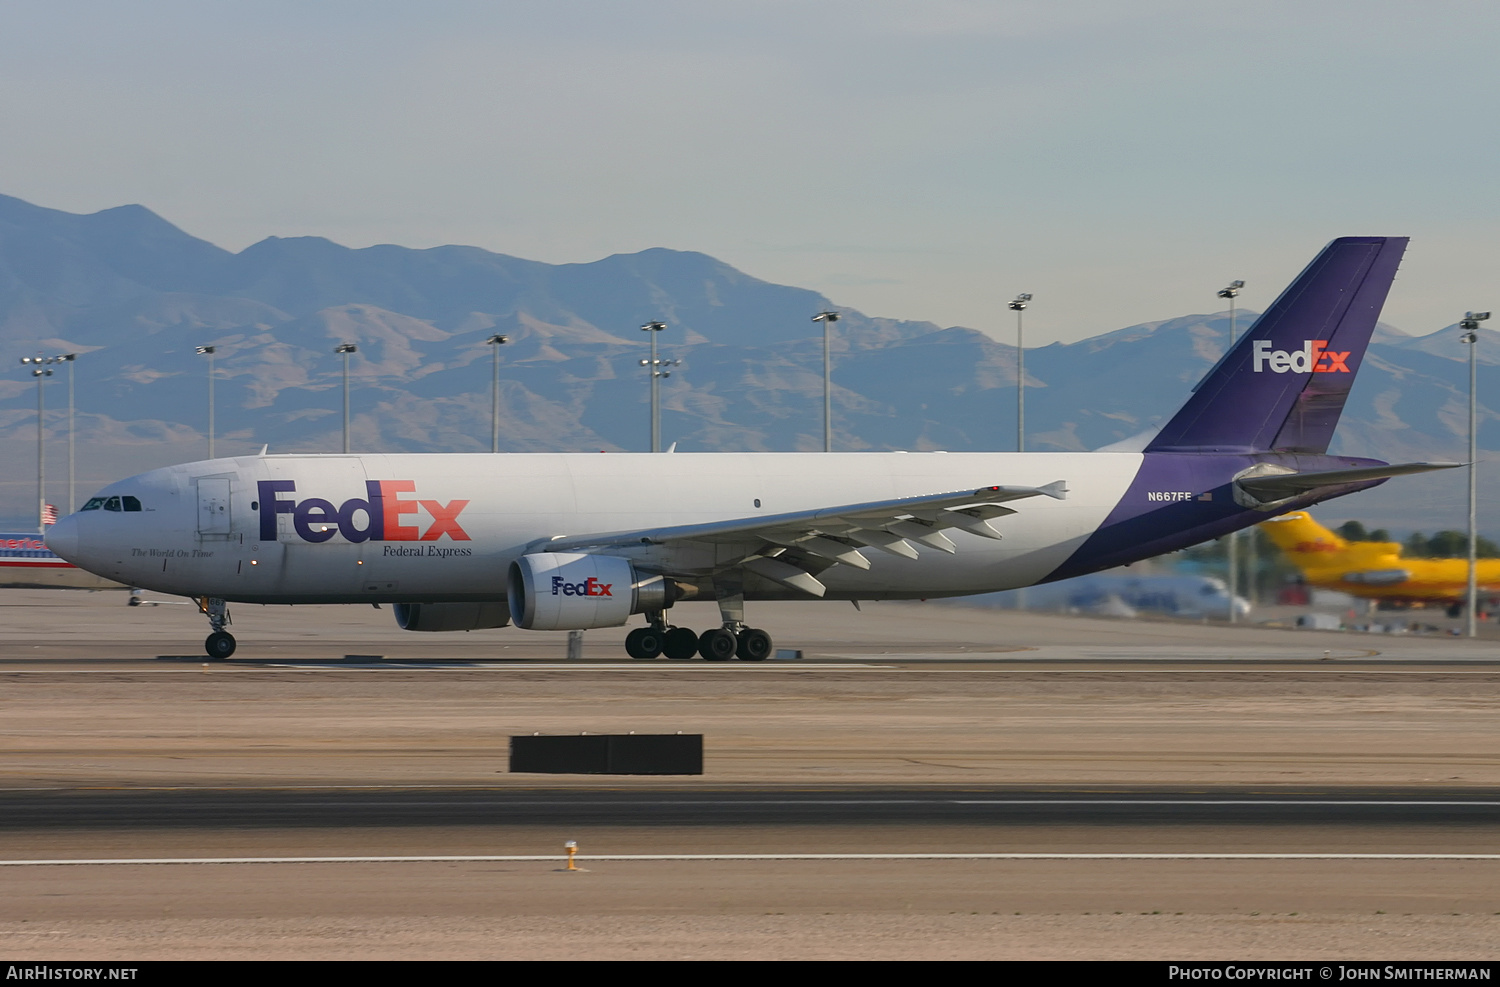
572 541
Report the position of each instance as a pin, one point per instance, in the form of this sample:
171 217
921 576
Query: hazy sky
924 160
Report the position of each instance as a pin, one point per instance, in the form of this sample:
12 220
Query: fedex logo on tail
378 516
1314 357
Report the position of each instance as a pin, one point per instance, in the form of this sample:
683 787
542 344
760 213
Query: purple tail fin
1282 386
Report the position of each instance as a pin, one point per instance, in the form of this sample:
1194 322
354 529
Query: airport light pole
208 351
828 319
498 340
345 349
1231 292
70 359
1470 327
1019 307
40 370
656 365
651 329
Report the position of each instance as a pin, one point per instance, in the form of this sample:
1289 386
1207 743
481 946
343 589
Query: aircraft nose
62 538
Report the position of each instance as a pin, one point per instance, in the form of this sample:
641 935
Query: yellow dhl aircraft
1375 570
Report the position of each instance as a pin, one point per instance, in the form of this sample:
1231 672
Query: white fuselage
451 524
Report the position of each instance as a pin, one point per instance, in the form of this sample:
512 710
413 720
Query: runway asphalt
81 810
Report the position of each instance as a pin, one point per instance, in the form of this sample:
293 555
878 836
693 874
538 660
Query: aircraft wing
1278 486
790 548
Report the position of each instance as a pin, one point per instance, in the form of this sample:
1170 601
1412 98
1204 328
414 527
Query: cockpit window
123 503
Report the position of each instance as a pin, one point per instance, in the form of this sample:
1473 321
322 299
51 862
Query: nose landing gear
220 644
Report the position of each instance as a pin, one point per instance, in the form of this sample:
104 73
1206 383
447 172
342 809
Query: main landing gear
733 640
220 644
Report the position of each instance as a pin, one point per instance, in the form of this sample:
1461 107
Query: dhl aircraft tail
1298 535
1309 545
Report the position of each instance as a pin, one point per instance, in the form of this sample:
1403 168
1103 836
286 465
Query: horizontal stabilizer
1280 486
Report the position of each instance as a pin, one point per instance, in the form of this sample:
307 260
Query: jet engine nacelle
566 591
450 616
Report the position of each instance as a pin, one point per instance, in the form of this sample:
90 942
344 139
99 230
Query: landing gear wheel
644 643
717 644
754 645
682 643
220 645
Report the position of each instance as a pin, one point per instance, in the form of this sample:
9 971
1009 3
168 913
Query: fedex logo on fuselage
375 517
589 587
1314 357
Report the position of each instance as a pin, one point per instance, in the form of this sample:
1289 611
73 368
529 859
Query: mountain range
134 296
